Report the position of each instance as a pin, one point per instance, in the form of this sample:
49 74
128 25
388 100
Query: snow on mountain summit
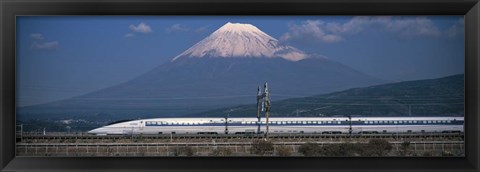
237 40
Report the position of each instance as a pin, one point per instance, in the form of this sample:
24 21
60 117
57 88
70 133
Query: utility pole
226 123
263 104
267 108
350 130
259 103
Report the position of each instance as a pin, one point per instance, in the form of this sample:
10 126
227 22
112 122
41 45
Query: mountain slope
236 40
209 76
432 97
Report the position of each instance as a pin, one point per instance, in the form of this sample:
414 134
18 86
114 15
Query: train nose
96 131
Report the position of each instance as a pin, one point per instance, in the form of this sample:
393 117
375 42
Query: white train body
322 125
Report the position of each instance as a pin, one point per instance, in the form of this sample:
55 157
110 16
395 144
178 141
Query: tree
261 147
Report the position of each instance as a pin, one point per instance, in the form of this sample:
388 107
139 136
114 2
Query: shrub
284 151
404 148
261 147
183 151
343 149
376 147
309 149
221 152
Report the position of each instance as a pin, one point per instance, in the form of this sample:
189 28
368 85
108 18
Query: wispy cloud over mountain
457 29
36 36
177 28
140 28
39 44
331 32
45 45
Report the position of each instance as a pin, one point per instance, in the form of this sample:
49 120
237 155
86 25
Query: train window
434 122
304 122
424 122
320 122
439 121
395 122
429 122
339 122
400 122
289 122
449 121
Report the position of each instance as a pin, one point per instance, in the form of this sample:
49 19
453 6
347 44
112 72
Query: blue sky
61 57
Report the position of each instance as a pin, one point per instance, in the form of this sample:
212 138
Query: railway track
84 136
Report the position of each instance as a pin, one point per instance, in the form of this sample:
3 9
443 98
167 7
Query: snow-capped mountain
239 40
222 70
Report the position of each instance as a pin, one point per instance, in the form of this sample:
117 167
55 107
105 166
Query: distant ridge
430 97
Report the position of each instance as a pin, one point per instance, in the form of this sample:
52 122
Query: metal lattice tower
264 105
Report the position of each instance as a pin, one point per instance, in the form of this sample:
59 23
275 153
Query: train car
321 125
407 124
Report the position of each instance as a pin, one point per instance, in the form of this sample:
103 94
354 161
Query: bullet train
320 125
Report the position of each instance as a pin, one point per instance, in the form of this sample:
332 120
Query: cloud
331 32
201 29
315 29
39 44
36 36
457 29
45 45
128 35
411 27
177 28
141 28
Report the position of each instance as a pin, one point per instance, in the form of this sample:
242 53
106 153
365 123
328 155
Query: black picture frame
11 8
